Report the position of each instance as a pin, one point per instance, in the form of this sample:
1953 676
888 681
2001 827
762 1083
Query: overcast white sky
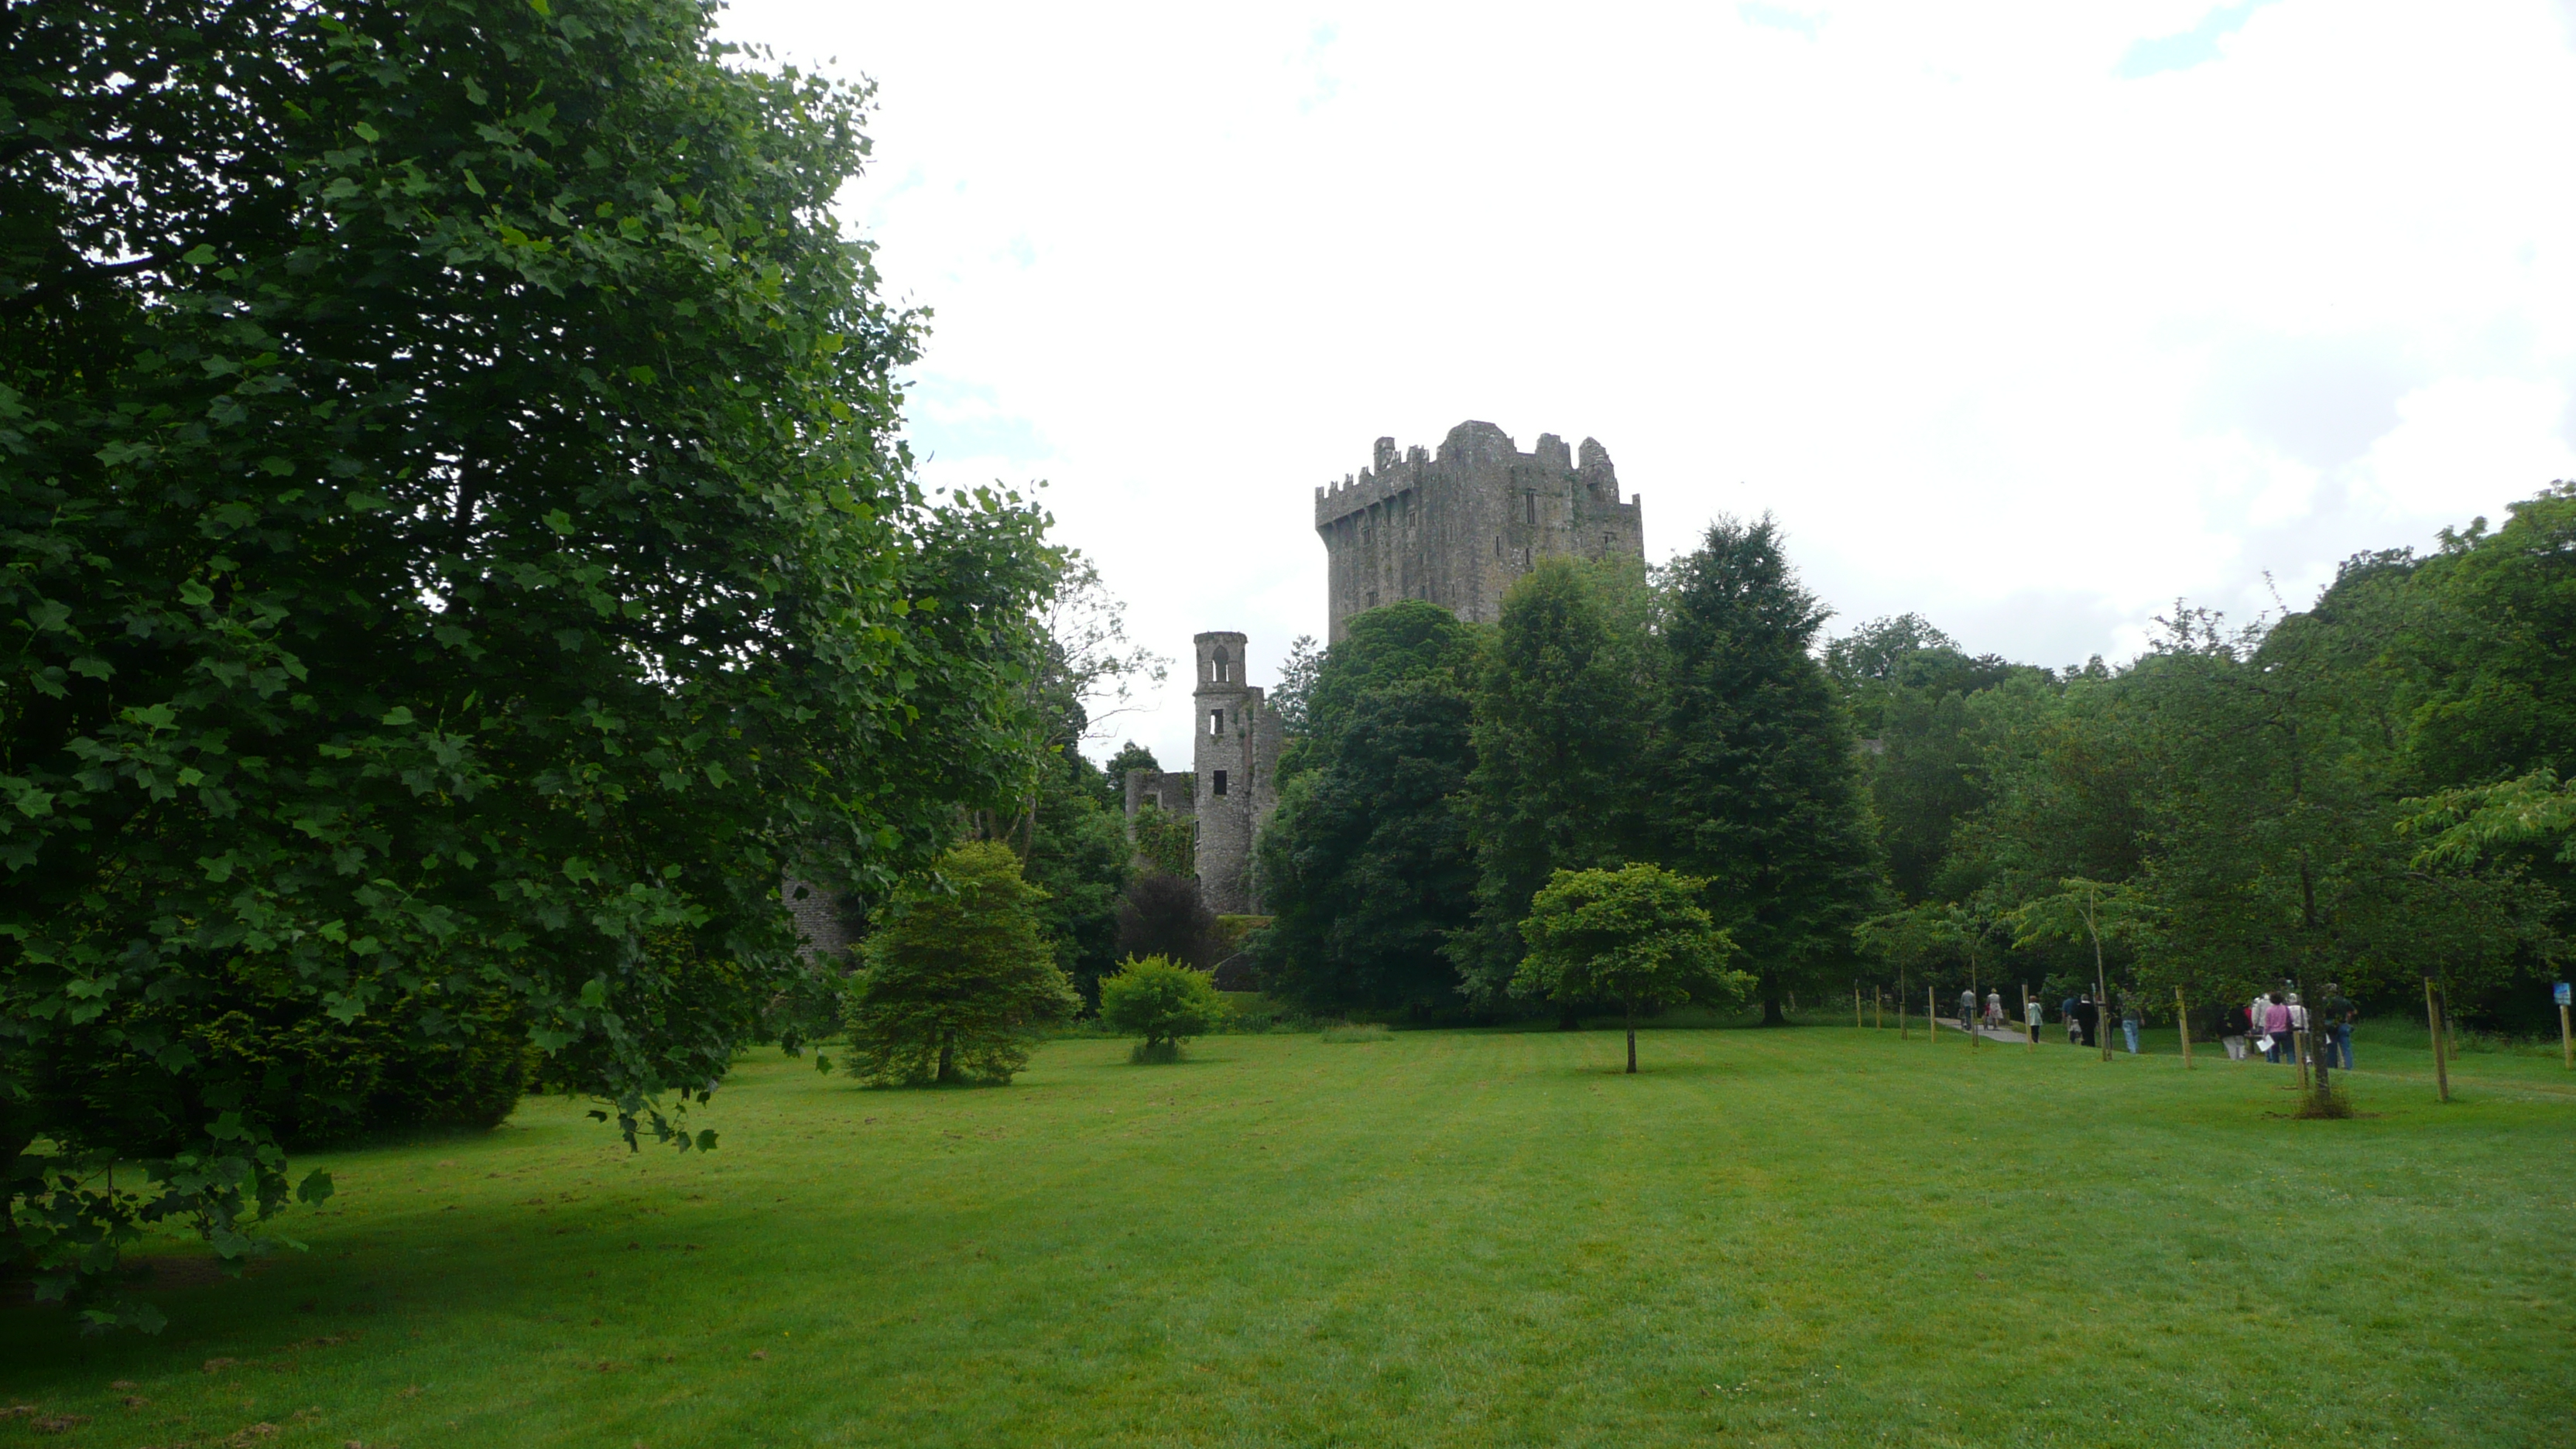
2029 318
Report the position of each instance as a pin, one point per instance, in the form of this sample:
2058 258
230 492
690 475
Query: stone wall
1172 790
817 913
1456 527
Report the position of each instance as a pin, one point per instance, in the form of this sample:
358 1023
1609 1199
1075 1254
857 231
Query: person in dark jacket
2234 1025
2334 1027
2088 1018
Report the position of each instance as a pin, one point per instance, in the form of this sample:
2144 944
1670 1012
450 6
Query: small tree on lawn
1636 935
958 975
1161 1001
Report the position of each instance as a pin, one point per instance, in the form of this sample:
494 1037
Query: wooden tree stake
2433 1022
2182 1019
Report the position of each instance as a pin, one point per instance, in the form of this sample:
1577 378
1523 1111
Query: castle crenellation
1456 526
1453 526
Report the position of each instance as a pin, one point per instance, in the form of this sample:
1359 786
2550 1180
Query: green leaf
315 1189
365 132
200 255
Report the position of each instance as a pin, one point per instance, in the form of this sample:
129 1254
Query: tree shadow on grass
1654 1067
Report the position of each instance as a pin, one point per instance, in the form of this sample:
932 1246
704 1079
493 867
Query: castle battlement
1456 526
1387 476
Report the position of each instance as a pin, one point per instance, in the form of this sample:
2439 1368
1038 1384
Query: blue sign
2562 994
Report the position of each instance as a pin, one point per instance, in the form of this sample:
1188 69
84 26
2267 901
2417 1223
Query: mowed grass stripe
1805 1236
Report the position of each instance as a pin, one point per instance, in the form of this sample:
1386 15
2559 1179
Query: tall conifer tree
1755 780
1560 726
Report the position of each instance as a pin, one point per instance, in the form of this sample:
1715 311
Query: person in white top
2032 1011
2298 1024
1995 1010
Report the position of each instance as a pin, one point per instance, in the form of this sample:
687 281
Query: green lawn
1813 1236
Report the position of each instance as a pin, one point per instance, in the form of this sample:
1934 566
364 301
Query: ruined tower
1232 786
1457 526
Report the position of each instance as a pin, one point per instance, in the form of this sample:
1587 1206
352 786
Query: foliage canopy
455 555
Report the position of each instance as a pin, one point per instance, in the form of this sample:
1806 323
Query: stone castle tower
1232 786
1456 527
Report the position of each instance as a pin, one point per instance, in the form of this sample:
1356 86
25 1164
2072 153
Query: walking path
1991 1033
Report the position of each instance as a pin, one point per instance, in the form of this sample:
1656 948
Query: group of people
2275 1022
2083 1018
2272 1024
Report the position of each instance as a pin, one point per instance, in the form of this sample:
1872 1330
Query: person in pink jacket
2272 1014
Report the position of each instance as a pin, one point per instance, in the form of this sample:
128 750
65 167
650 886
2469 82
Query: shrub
1162 915
1162 1002
959 976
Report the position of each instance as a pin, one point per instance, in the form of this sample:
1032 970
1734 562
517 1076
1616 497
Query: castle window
1219 787
1220 662
1532 500
1216 721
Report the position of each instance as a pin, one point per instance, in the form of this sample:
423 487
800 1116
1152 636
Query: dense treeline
2253 804
2366 791
1448 772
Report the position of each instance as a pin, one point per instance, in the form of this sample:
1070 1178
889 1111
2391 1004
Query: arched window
1219 662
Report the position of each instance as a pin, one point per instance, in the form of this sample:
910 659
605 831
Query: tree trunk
1628 1014
1569 1019
947 1060
1771 1015
14 1258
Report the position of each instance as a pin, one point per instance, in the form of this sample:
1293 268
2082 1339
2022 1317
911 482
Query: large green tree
1908 687
1754 769
1366 866
453 542
1562 707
